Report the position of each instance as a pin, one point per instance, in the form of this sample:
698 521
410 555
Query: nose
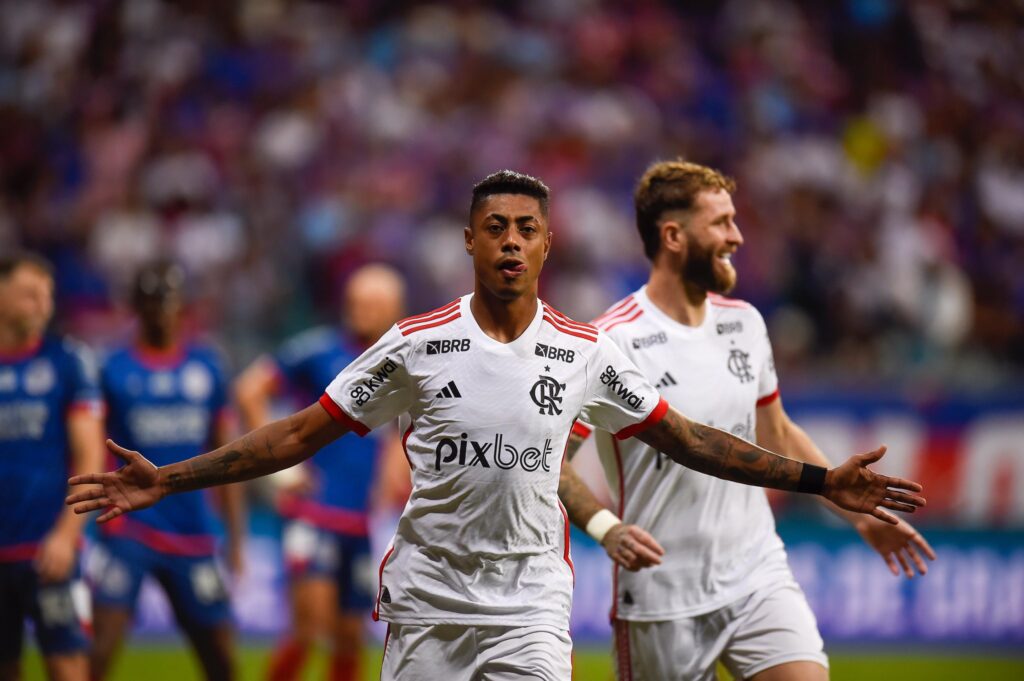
735 236
511 240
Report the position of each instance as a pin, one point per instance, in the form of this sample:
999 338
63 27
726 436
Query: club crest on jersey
443 347
40 377
739 365
555 353
546 393
498 452
363 390
610 378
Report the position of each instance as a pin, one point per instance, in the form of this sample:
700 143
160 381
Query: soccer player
50 424
326 543
478 580
724 590
167 396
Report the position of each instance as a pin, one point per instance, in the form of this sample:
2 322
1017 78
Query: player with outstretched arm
478 579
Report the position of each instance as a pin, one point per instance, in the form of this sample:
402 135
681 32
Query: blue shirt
38 388
167 408
343 470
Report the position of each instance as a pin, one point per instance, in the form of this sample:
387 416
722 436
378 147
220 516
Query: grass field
170 663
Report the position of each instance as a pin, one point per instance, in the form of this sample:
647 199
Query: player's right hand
632 547
131 487
855 487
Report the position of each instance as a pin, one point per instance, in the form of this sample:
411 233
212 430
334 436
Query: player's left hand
56 557
899 543
632 547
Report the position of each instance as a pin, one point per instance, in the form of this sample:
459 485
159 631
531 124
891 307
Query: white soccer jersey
719 536
483 539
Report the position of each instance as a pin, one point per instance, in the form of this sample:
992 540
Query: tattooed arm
628 545
268 449
852 485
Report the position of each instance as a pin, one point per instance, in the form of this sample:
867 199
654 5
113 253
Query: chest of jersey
31 399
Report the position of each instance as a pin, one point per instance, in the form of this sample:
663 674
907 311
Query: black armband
812 479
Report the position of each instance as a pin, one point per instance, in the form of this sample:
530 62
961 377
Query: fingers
120 452
646 544
872 456
911 499
885 516
90 506
904 564
919 563
897 506
112 513
902 483
87 479
891 562
84 495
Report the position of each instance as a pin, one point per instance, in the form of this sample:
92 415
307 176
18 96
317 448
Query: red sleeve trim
341 417
96 408
581 430
768 399
655 417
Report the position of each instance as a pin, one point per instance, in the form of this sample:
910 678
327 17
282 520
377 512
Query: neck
12 342
680 300
503 320
157 342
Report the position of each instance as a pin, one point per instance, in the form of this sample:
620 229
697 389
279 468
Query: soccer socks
344 667
288 660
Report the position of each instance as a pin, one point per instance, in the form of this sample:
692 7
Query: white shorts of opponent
450 652
767 628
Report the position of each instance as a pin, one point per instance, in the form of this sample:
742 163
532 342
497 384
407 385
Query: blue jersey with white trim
166 407
343 470
38 388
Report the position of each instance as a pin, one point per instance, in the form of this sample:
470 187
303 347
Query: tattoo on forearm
251 456
715 452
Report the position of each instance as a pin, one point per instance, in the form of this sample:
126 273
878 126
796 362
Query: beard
699 269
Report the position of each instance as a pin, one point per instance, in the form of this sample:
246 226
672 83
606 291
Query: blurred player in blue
326 544
50 423
170 397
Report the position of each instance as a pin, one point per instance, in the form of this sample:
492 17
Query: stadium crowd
273 146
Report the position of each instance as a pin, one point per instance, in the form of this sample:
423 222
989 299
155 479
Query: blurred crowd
273 146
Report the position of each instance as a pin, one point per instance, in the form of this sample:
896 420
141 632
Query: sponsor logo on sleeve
724 328
443 347
466 452
610 377
643 342
546 393
362 391
555 353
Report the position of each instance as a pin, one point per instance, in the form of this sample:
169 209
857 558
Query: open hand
855 487
56 557
133 486
632 547
899 543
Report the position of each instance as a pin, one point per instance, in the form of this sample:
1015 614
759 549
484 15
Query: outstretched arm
852 485
273 447
900 545
628 545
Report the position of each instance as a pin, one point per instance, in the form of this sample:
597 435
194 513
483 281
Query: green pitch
170 663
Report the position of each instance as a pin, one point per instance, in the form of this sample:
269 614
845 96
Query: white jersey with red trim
483 539
719 536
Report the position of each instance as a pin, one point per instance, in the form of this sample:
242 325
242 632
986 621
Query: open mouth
512 268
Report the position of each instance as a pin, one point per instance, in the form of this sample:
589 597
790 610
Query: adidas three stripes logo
450 390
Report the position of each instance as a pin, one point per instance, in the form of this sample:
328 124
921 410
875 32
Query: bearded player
724 590
326 535
50 424
478 580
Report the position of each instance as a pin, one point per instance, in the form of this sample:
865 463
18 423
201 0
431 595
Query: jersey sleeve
767 380
82 378
620 399
373 389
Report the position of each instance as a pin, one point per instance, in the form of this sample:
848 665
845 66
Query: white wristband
600 523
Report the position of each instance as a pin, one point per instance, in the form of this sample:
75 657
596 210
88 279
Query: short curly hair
510 182
671 185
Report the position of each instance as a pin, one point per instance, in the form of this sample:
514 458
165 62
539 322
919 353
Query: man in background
49 426
168 395
326 534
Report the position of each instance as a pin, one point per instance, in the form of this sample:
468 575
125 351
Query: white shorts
767 628
453 652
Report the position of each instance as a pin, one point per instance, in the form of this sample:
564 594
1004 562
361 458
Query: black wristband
812 479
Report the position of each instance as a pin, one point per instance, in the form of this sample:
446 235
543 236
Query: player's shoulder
206 352
69 348
735 312
314 341
430 324
567 329
622 316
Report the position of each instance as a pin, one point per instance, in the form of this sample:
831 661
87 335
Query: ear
672 238
468 234
547 244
